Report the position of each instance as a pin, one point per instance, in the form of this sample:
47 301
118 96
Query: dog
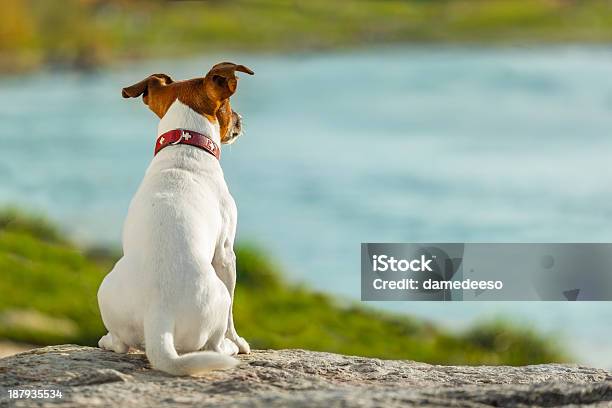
172 291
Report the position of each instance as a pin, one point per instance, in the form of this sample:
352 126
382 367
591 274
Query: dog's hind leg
110 342
221 344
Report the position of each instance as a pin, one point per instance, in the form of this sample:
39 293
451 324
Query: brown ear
221 80
229 68
142 87
244 69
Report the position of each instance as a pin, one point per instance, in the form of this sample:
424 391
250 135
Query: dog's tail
159 345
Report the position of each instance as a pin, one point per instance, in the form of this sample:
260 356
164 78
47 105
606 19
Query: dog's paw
228 347
243 346
108 342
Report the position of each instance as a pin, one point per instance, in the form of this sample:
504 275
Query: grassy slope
86 33
42 271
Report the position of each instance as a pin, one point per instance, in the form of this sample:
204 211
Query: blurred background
366 121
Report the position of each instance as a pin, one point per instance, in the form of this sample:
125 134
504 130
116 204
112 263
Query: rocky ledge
90 377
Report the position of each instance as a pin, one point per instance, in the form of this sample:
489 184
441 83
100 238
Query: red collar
188 137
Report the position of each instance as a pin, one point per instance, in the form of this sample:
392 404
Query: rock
90 377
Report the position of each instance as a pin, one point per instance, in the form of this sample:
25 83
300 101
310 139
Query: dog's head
209 96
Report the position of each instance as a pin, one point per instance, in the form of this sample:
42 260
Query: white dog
172 291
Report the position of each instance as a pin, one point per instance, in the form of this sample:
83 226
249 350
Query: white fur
182 116
173 288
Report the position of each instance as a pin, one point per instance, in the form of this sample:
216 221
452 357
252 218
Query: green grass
45 275
87 33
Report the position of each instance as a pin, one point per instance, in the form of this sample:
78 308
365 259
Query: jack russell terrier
172 291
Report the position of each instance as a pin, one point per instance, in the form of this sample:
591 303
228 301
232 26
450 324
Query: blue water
399 144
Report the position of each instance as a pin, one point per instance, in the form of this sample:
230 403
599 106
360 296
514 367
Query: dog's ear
142 87
221 80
